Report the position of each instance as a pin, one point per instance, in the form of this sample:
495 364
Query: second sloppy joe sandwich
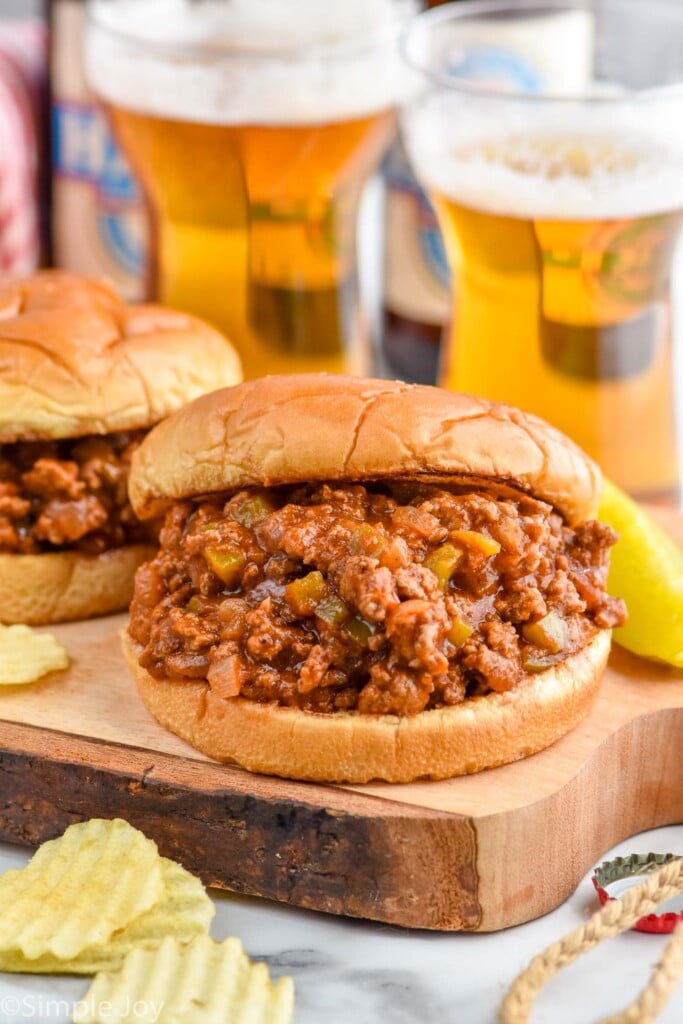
364 579
83 377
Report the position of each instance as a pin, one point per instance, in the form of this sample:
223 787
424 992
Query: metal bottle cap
614 877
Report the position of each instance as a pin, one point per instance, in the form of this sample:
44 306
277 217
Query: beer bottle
417 293
99 222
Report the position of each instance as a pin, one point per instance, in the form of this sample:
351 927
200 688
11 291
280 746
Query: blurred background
74 198
274 195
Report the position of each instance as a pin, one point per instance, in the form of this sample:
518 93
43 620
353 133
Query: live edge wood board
478 853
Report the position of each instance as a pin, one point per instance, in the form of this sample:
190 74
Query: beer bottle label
99 219
417 279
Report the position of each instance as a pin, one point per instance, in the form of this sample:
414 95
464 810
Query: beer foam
577 168
248 61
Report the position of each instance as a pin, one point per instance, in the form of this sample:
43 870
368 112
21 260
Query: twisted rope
614 917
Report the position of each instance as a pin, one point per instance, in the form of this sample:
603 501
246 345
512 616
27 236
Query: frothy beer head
248 61
548 175
549 111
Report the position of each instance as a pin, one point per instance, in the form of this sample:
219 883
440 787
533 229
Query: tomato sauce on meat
383 599
69 495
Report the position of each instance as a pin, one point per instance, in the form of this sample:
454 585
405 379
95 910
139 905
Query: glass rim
203 50
466 9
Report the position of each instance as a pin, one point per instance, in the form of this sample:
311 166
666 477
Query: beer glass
253 127
555 162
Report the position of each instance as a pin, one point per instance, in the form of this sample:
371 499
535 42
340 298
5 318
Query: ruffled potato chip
203 982
26 655
78 890
184 911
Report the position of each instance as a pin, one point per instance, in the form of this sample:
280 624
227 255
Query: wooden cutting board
477 853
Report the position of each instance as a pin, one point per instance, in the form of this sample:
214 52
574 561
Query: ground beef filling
70 494
377 599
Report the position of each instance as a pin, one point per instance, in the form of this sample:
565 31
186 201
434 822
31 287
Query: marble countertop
364 973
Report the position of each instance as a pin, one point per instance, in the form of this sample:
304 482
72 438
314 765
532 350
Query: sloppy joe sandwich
364 579
82 379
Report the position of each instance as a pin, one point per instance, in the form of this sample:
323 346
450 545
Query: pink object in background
23 57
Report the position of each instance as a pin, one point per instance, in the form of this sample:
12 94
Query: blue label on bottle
398 172
400 177
432 246
495 67
84 150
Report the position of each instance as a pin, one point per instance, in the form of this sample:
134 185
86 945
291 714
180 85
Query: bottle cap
614 877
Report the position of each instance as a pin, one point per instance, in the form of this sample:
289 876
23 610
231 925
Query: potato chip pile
26 656
101 899
207 981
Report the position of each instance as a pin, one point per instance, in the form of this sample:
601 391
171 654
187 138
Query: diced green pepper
443 562
304 594
358 630
194 605
312 595
550 633
208 526
366 540
227 563
332 610
253 510
534 662
475 541
459 632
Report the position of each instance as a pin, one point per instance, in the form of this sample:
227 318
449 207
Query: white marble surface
352 971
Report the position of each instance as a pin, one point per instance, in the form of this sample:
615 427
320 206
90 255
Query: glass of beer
253 127
549 134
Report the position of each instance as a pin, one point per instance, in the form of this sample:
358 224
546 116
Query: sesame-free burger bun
301 427
59 586
481 732
75 359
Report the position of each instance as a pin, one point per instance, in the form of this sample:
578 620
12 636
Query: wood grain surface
478 853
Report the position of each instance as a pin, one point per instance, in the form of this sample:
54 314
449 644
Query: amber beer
420 294
561 214
564 311
255 229
254 162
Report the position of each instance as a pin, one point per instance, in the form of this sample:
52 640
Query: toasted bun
59 586
482 732
74 359
296 428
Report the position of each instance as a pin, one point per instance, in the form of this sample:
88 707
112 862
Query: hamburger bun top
302 427
75 359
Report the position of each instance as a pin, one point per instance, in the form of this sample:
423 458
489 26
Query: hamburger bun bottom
482 732
59 586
